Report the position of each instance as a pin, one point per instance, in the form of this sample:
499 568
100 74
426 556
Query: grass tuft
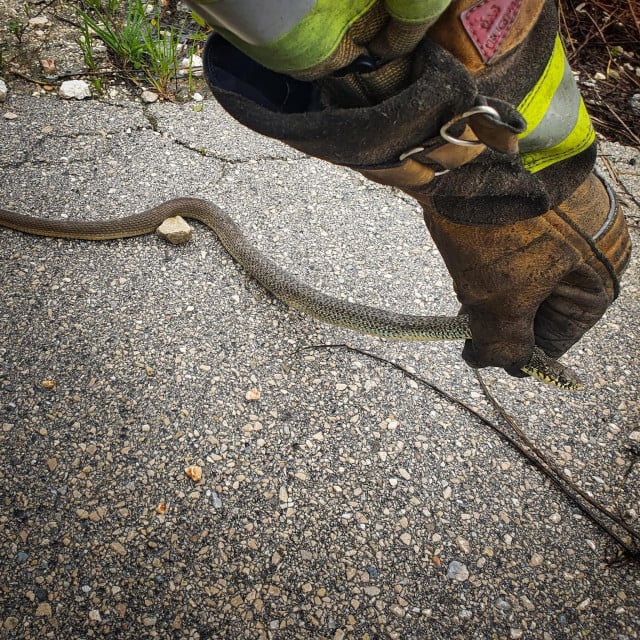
135 39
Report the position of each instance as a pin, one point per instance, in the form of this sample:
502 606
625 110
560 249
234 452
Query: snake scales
286 288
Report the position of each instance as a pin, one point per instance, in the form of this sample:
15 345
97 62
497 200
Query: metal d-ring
487 110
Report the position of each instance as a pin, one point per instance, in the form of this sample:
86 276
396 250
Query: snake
285 287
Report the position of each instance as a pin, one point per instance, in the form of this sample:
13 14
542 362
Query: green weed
137 42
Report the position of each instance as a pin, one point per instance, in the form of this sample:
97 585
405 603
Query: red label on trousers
488 23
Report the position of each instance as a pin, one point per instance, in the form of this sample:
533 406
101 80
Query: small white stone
39 21
198 97
176 230
599 76
404 473
252 394
405 538
9 115
3 90
194 63
94 615
148 96
463 544
77 89
458 571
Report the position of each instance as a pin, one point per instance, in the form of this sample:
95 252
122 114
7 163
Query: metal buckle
487 110
411 152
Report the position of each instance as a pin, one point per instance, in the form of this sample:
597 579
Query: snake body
296 294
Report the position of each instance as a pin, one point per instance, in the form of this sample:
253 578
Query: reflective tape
253 21
558 125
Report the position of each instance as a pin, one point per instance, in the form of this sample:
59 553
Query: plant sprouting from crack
18 27
138 43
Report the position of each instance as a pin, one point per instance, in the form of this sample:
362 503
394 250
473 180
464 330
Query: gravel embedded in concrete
336 495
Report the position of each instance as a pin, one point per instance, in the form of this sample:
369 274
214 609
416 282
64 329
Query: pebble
634 101
44 610
148 97
176 230
48 66
10 115
252 394
3 90
216 501
21 557
194 62
94 616
463 544
39 21
77 89
503 605
11 623
457 571
536 560
194 472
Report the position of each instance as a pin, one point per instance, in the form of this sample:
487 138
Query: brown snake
283 286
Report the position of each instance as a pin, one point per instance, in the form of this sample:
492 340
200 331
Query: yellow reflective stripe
581 138
416 10
557 86
311 41
537 101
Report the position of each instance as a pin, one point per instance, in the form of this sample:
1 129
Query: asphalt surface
338 499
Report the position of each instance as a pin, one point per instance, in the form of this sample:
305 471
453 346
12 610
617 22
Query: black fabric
356 137
233 71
